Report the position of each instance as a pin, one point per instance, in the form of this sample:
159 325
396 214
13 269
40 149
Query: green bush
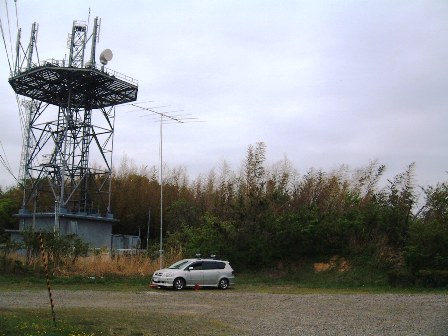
428 278
432 278
401 278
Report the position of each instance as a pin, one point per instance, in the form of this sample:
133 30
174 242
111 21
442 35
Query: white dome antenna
105 56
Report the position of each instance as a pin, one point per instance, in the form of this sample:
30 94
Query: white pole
147 233
161 193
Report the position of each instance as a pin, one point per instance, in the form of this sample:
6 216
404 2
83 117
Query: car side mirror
190 268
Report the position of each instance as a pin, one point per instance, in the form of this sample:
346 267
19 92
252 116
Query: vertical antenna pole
72 39
17 60
161 193
31 46
94 36
147 233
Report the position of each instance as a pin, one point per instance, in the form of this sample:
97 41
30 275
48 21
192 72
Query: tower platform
71 87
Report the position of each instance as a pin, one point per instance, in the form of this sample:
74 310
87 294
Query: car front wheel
223 284
179 283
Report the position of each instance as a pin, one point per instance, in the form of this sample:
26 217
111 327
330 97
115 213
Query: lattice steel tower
68 128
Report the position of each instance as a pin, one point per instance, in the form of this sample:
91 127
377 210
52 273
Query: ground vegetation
271 216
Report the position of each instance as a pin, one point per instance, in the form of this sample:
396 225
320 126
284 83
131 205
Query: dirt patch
335 263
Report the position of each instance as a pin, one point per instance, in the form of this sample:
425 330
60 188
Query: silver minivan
195 273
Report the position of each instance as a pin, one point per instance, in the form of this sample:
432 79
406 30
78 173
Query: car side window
213 265
196 266
220 265
209 265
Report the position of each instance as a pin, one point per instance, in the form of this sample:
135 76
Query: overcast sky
323 83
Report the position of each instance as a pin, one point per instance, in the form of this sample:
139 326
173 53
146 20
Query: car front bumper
161 281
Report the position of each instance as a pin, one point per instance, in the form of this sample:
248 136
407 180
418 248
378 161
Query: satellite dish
105 56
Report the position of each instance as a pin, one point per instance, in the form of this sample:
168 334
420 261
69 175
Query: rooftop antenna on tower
106 56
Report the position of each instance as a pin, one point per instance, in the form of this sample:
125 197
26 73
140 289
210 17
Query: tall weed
106 264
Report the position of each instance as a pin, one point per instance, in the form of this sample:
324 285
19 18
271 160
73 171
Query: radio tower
68 131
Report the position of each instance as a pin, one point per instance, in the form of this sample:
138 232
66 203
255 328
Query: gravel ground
269 314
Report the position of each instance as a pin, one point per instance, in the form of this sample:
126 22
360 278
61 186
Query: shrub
432 278
400 278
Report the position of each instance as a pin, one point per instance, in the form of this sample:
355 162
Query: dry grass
104 265
119 265
336 262
100 265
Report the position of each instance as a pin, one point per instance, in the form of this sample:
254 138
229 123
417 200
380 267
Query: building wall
96 231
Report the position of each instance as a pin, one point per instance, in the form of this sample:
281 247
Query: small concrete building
126 242
93 229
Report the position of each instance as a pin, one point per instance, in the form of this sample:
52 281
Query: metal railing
64 64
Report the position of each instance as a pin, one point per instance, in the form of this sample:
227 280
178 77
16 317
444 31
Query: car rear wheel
179 284
223 283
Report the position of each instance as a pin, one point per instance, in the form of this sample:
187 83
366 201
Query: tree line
260 214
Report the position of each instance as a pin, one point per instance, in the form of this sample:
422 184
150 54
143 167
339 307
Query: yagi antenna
171 118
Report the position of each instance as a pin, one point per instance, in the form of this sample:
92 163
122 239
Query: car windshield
179 264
